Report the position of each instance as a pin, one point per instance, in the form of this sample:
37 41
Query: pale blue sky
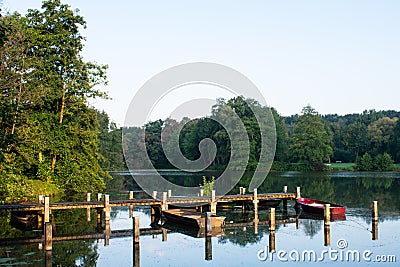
339 56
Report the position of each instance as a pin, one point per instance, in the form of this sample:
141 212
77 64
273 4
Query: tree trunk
54 160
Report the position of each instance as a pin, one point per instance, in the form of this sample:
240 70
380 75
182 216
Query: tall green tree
311 139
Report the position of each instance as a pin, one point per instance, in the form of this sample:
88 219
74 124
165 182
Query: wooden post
164 201
40 216
271 241
255 203
284 189
154 195
256 227
98 196
327 214
375 217
213 207
240 190
131 206
169 193
107 208
88 209
202 192
46 209
298 193
208 224
327 235
136 229
272 219
48 236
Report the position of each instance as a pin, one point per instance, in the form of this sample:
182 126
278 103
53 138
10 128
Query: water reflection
226 248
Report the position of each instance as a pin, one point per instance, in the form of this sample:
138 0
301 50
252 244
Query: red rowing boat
317 206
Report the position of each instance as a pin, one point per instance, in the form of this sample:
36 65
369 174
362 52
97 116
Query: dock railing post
284 190
99 196
255 204
136 229
298 192
213 206
107 208
164 201
375 217
154 195
130 206
284 202
46 209
88 209
40 216
169 193
272 219
202 192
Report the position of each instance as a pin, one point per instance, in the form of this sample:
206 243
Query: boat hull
190 218
317 207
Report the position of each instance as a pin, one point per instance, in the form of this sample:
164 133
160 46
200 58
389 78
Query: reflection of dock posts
327 225
207 235
88 209
136 254
208 224
374 220
284 202
213 206
154 194
208 245
327 235
136 239
164 235
298 192
130 206
255 204
255 227
327 214
48 258
164 205
136 229
272 219
271 241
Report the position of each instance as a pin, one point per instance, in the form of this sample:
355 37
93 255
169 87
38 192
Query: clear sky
338 56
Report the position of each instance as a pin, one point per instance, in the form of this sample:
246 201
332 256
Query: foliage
46 125
311 140
381 162
208 186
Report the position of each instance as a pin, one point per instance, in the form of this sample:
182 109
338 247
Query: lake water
235 246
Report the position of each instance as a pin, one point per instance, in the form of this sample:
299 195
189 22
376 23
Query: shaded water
237 246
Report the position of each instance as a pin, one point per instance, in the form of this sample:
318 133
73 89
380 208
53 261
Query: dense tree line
307 141
49 133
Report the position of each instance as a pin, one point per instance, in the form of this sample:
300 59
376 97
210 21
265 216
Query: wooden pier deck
143 202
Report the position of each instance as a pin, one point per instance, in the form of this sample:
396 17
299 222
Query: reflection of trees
71 253
311 227
242 237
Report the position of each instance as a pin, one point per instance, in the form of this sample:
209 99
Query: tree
365 163
355 139
379 134
311 139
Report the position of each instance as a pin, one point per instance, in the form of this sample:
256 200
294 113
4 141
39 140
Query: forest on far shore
305 142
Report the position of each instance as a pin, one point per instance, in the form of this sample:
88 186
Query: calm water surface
240 246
